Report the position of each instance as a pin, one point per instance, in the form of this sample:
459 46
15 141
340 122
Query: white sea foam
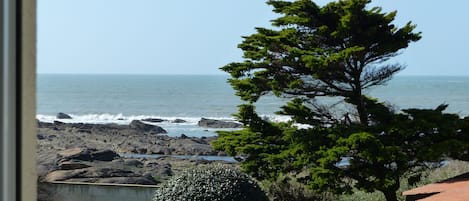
122 119
276 118
126 119
189 128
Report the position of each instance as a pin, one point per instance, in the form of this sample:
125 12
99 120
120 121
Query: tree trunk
360 104
362 111
390 195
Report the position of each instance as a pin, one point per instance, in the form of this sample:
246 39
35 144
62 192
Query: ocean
123 98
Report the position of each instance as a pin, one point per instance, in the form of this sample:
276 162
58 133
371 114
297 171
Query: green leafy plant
212 182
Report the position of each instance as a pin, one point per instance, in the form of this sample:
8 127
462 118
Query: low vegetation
211 182
286 188
453 168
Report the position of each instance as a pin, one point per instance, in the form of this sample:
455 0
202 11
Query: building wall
81 192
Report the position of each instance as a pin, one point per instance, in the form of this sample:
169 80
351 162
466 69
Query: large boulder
190 146
77 153
85 154
138 125
213 123
104 155
101 175
61 115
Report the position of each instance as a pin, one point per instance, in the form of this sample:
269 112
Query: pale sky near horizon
198 37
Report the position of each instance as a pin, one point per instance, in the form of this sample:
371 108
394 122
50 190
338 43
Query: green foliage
286 188
378 154
452 169
214 182
337 50
320 51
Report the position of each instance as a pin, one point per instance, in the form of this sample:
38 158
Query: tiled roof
454 189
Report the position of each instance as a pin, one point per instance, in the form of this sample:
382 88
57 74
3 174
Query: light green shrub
213 182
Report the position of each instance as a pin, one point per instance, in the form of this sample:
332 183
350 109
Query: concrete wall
81 192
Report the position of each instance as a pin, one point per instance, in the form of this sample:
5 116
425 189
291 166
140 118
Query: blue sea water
122 98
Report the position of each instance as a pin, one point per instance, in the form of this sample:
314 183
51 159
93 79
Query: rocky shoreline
81 152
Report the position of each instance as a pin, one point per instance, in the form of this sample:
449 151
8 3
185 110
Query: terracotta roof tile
454 189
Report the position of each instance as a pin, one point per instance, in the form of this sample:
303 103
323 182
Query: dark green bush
213 182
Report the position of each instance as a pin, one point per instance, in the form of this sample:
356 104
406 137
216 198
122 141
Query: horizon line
184 74
224 74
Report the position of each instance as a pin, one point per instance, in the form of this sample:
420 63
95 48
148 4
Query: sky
199 37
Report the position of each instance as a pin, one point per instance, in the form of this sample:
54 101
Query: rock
61 115
75 153
58 123
147 174
84 131
213 123
141 150
51 137
85 154
91 172
61 175
179 121
133 163
153 120
41 124
76 146
159 170
200 161
138 125
109 172
104 155
163 150
189 146
67 165
40 137
42 170
82 126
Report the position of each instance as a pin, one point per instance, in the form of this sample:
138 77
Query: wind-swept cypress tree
337 50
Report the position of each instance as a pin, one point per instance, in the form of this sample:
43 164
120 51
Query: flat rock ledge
141 138
135 125
139 125
102 166
214 123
